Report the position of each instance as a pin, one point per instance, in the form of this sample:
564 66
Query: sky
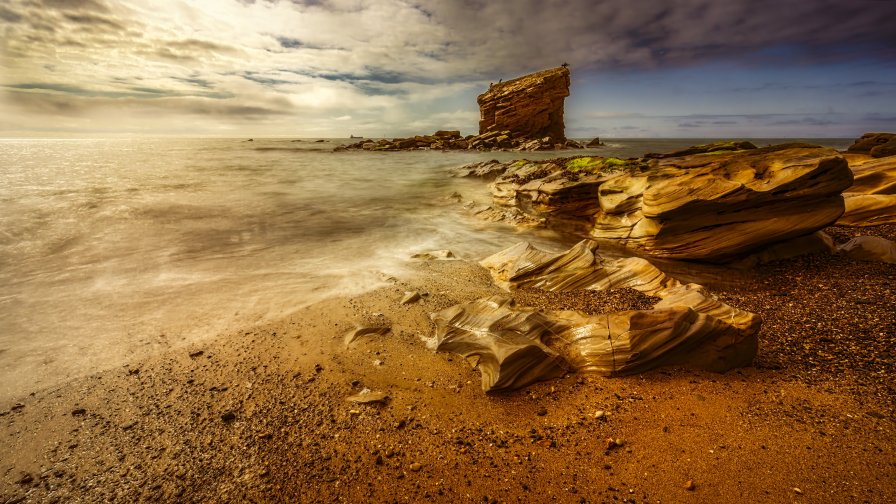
334 68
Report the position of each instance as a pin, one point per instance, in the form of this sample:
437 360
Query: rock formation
871 200
528 107
516 346
716 206
870 248
876 145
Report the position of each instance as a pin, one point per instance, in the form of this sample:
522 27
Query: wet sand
260 415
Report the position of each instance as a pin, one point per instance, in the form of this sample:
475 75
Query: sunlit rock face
515 346
871 200
718 207
527 107
715 206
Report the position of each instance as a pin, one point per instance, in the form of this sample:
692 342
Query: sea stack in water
528 107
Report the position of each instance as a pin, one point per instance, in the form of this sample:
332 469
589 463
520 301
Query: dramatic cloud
398 66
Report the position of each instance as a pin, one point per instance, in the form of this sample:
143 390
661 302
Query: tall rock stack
530 107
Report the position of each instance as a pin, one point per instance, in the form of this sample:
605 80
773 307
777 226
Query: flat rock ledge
503 140
515 346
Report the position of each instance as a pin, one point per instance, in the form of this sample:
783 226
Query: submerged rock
515 346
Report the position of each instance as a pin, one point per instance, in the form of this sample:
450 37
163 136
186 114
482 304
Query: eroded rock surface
871 200
875 144
529 107
870 248
516 346
713 206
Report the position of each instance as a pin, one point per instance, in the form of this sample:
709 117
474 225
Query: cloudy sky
309 68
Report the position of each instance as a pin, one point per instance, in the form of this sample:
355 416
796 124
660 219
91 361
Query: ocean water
112 249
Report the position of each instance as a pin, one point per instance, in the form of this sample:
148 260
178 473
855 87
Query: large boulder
514 346
714 206
722 206
875 144
529 107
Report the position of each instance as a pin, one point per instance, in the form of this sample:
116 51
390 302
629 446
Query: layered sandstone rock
528 107
870 248
515 346
875 144
722 206
871 200
713 206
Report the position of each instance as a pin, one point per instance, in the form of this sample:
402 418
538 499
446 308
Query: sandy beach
260 414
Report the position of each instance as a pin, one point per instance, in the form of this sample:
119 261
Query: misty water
115 249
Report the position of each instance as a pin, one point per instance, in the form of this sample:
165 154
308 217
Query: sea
115 249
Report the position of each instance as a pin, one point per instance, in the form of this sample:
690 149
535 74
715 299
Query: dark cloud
267 81
880 118
73 105
289 43
805 121
92 19
130 92
75 5
9 16
617 33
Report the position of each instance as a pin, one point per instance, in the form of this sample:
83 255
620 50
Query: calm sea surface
114 249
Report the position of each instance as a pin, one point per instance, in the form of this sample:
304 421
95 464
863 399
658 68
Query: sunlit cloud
287 67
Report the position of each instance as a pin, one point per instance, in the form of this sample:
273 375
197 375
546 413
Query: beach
253 393
261 415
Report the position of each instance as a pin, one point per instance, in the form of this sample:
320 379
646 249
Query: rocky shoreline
346 400
261 414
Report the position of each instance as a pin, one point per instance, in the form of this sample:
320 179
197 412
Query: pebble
410 297
79 412
228 416
690 486
542 411
197 353
797 491
600 415
416 466
368 396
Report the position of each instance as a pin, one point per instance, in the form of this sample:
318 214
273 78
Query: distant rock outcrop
528 107
524 114
713 206
876 145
